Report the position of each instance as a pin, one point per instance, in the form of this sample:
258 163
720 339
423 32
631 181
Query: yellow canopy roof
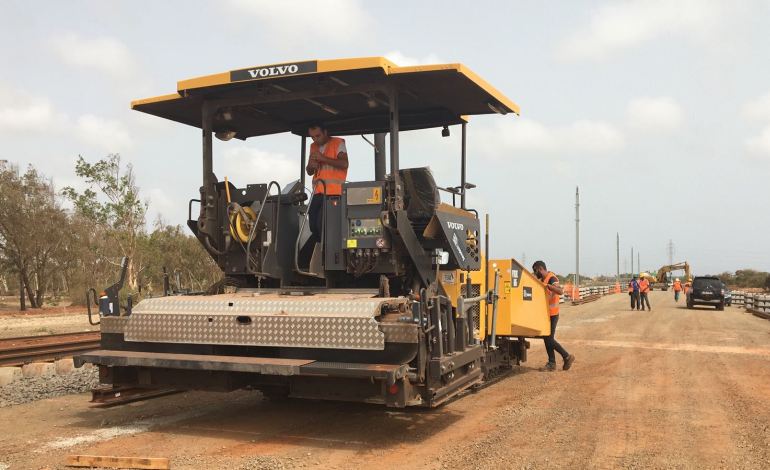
349 95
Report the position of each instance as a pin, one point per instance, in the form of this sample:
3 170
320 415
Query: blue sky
658 110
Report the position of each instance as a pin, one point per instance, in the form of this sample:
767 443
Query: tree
31 223
168 246
117 207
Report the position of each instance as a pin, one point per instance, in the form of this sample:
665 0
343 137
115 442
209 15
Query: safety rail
572 294
755 303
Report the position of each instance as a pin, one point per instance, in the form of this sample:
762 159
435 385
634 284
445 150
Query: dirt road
670 388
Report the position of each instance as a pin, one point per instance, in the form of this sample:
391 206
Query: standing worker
677 289
634 290
644 289
631 294
328 164
553 291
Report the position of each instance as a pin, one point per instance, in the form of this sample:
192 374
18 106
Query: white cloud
296 20
621 25
244 165
654 114
160 203
760 145
759 108
21 111
105 54
405 61
105 134
529 136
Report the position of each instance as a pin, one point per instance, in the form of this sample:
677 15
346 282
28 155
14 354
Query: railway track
23 350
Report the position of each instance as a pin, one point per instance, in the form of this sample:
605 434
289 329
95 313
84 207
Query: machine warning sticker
506 287
270 71
352 243
527 293
515 277
448 278
376 196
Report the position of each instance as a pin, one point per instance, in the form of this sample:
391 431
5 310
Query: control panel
362 228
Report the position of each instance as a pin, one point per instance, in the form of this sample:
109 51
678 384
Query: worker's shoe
548 367
568 362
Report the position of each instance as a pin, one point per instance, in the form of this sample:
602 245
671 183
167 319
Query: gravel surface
29 389
41 324
671 388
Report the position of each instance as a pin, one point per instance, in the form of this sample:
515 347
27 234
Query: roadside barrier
757 304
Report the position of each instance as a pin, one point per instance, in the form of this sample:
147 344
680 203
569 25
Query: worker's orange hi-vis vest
630 287
553 298
644 286
331 176
677 286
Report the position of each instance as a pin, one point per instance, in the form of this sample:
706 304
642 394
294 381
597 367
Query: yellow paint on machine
522 307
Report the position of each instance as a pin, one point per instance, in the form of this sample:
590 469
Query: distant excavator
662 278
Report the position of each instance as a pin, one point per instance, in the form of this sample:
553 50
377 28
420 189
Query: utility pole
617 256
577 236
632 261
670 251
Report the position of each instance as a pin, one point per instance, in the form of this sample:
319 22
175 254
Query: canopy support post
207 224
303 157
394 129
462 167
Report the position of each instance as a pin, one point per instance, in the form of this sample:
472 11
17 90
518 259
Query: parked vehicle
706 290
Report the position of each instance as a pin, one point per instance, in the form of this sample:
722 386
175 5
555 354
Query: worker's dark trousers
676 296
315 215
552 345
634 300
644 300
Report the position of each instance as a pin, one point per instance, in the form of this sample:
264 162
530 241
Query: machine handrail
253 229
302 226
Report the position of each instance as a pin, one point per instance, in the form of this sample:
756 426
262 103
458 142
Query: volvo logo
455 226
274 71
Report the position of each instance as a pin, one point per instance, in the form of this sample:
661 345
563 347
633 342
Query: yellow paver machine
396 305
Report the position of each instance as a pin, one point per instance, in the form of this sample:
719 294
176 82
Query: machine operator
553 291
328 164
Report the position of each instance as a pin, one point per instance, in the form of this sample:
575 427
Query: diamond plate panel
113 324
290 322
399 332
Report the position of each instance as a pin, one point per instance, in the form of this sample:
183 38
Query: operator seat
421 196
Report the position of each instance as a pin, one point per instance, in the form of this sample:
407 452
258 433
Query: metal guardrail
758 304
586 291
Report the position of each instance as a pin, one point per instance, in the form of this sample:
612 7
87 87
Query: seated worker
328 162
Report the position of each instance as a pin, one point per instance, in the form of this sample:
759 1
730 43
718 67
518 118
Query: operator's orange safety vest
630 287
644 286
677 286
553 298
331 176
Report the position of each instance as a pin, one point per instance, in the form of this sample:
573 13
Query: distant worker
677 289
631 294
687 286
328 164
634 291
553 291
644 289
